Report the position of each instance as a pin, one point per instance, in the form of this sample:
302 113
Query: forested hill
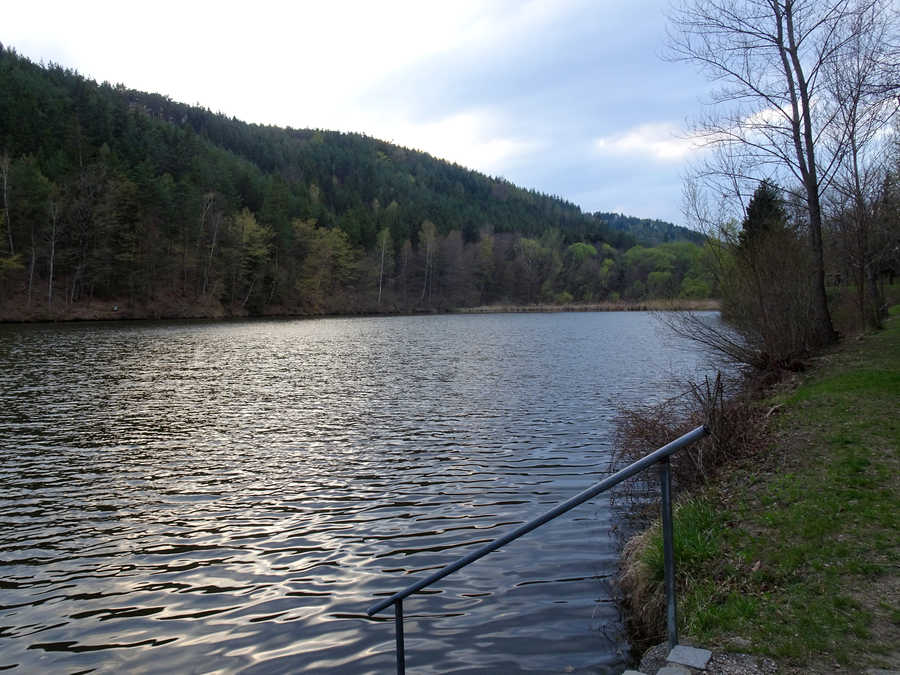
649 231
353 172
114 194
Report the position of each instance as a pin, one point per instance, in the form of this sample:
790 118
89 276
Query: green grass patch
854 382
801 557
696 535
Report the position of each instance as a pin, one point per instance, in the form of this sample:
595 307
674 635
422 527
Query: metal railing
661 455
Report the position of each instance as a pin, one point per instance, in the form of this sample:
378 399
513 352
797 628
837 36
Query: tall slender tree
53 212
428 244
384 243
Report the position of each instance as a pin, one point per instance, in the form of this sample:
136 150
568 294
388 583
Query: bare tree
209 200
771 114
384 243
428 244
216 218
52 236
862 85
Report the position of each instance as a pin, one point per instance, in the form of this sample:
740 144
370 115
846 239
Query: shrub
732 425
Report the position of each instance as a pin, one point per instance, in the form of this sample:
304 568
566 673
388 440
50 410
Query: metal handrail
660 455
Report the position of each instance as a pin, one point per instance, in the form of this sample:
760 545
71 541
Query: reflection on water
195 497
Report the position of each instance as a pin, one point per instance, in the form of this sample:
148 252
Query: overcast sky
569 97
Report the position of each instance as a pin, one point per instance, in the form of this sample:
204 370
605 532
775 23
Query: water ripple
230 497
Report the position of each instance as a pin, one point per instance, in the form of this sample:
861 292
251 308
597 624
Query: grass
800 557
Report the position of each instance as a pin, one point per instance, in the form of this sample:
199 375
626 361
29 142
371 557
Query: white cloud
472 139
239 59
658 140
767 117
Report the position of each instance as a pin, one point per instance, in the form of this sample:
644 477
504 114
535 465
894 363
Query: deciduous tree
772 112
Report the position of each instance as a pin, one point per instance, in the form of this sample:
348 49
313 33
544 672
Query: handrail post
665 479
398 629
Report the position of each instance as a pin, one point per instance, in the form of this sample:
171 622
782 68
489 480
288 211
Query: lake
232 496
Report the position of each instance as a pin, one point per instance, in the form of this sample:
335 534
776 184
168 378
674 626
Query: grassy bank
794 553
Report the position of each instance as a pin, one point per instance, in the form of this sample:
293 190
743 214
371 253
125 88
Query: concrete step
681 660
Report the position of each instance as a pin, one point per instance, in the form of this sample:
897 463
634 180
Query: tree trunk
274 276
381 272
52 256
875 312
805 150
31 272
212 249
824 327
249 291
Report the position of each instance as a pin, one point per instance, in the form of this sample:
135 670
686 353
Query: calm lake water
224 497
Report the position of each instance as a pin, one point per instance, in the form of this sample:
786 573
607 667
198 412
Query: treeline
113 194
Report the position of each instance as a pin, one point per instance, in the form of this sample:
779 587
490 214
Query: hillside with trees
648 231
115 197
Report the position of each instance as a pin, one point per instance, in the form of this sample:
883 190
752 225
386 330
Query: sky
568 97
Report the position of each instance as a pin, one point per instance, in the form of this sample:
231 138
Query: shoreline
104 311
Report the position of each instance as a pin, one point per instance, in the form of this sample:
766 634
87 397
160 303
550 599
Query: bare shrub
736 431
731 422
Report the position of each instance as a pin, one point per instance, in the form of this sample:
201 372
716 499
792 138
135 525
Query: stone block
673 670
692 657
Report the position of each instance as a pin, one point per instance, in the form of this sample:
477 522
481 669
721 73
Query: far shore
110 310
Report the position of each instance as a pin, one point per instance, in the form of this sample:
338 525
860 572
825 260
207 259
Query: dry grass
662 305
733 424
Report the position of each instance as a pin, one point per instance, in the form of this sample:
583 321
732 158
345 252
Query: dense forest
113 196
649 231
